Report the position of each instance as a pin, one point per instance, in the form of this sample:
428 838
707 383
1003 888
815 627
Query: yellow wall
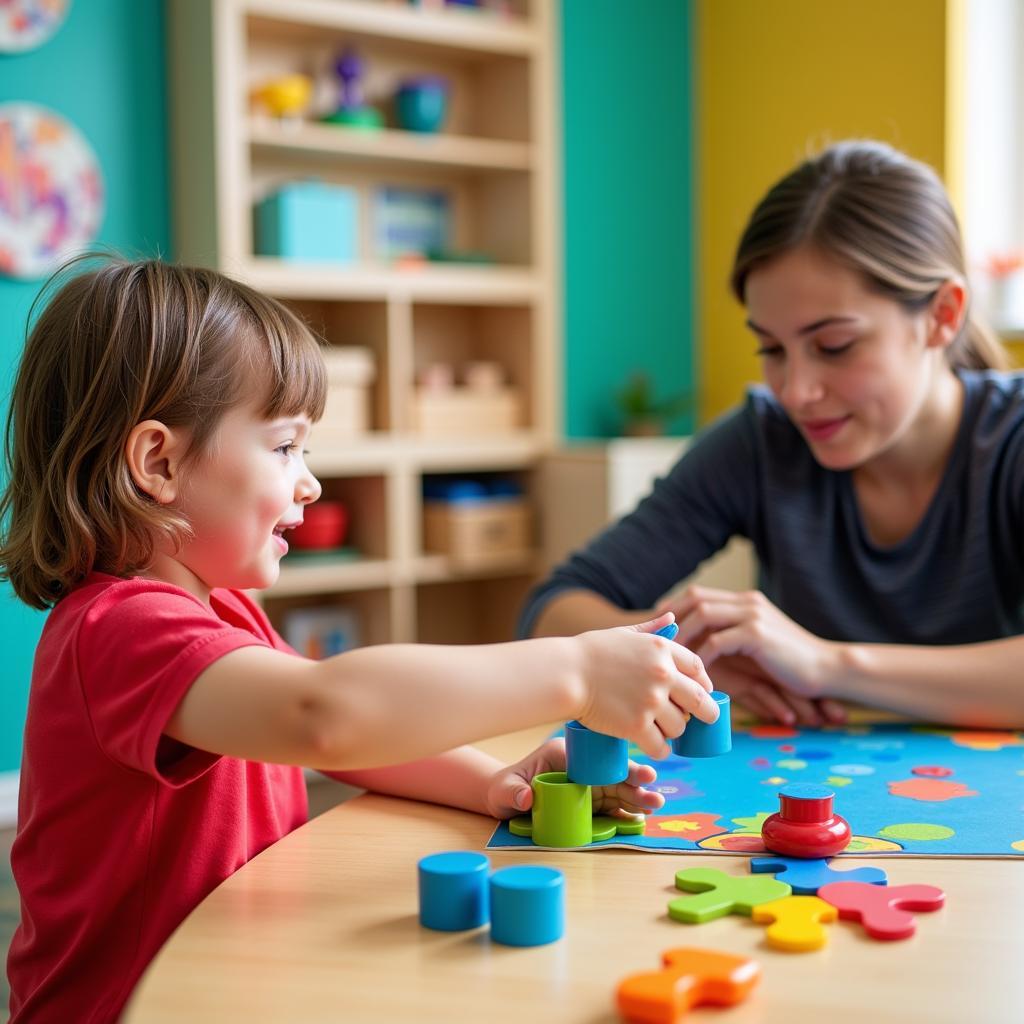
779 78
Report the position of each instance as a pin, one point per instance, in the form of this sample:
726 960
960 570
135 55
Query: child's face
251 484
853 369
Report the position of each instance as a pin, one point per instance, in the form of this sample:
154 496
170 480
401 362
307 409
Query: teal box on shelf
309 221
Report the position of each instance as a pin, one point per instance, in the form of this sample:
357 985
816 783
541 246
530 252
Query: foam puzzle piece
689 977
604 827
795 922
882 910
808 876
720 894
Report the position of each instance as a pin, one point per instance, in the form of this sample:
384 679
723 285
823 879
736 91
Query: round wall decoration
51 191
25 24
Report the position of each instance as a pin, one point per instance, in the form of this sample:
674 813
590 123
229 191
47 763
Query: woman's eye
836 350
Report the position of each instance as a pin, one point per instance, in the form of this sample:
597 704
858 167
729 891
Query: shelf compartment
470 610
458 336
373 609
487 214
488 95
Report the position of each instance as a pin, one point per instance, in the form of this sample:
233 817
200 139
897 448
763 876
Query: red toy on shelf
805 825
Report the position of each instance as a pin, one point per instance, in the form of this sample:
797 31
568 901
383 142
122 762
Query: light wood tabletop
322 927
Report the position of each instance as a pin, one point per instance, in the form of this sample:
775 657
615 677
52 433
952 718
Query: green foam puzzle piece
605 827
719 894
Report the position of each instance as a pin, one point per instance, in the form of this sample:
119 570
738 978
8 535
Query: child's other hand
642 688
509 792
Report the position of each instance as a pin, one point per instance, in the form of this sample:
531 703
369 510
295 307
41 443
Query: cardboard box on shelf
350 373
476 533
466 411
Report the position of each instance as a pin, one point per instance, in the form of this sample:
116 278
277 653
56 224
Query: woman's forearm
575 611
975 685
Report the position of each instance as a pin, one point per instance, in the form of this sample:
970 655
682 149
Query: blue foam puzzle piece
806 877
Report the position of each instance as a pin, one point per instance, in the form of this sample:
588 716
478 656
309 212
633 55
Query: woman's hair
880 213
117 344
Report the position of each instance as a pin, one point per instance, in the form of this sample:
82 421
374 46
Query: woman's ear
947 311
154 452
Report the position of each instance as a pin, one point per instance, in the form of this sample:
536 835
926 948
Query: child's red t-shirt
122 830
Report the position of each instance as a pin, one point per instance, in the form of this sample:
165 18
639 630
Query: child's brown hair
117 344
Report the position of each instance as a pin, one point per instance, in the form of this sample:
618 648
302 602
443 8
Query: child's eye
287 448
769 351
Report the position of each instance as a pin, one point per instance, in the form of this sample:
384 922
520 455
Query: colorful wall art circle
25 24
51 191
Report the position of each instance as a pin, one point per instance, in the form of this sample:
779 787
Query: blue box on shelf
309 221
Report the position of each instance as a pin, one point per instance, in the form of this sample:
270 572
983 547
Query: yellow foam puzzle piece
795 922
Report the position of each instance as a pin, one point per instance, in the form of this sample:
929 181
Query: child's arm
390 704
475 781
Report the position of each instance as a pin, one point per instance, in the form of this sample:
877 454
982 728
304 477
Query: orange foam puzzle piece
690 977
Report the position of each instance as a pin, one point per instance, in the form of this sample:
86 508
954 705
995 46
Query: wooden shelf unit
496 160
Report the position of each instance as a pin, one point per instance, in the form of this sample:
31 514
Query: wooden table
322 927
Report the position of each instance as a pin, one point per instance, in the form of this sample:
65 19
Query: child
155 463
880 476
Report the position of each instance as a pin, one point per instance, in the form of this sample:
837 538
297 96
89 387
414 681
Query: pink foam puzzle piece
882 910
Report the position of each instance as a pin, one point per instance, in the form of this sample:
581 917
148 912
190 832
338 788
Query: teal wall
628 219
104 72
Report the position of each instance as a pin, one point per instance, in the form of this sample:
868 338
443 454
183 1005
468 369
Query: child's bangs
285 358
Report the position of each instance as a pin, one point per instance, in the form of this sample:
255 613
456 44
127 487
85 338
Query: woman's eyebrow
808 328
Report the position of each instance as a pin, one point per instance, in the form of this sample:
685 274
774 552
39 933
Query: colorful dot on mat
773 732
813 754
752 823
734 842
1019 845
774 780
761 763
916 831
694 827
786 748
791 764
935 771
986 740
852 769
932 790
838 780
869 844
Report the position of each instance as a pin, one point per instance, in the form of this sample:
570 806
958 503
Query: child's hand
509 792
642 688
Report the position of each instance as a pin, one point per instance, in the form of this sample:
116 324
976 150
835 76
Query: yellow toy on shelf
287 96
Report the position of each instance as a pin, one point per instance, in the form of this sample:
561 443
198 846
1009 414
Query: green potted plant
643 415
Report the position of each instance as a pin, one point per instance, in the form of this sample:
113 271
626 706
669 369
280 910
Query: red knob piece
805 825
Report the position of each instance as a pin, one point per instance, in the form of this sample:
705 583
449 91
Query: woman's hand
509 792
761 657
750 688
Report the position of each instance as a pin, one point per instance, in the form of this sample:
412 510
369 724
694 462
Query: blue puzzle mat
914 790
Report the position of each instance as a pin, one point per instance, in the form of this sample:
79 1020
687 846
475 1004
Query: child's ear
947 311
154 452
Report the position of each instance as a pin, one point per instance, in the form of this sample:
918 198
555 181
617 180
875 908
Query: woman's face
853 369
